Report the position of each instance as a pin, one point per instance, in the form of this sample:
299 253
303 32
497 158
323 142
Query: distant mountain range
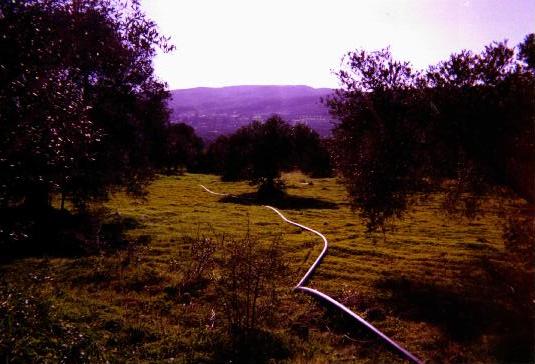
216 111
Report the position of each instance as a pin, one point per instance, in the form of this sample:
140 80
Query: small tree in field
259 152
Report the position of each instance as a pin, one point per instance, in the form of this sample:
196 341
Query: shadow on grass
52 232
285 202
253 346
348 331
465 316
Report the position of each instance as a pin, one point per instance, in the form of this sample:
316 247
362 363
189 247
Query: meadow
448 289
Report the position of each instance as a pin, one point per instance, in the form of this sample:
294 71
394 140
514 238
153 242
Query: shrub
249 282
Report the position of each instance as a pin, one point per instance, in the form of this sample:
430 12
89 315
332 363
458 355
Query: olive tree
81 112
467 120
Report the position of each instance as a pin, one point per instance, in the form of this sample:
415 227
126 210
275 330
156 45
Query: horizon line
251 85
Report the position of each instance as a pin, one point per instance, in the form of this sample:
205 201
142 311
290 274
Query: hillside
447 290
216 111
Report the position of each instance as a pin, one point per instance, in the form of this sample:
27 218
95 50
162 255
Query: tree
527 50
310 153
258 152
402 131
270 154
80 109
215 156
183 147
373 139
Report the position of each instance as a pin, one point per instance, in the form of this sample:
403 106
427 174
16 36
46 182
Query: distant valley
216 111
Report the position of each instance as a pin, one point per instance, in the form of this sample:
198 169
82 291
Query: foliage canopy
468 120
80 109
260 151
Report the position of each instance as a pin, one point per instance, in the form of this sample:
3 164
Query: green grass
415 283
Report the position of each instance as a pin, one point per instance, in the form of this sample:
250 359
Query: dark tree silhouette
80 109
270 154
373 141
258 152
183 148
267 155
527 50
310 153
468 119
81 115
215 156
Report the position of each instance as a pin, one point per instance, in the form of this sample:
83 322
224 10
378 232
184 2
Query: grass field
446 289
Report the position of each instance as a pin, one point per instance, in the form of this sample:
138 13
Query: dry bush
251 276
201 257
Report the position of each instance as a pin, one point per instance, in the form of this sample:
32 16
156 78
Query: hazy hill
215 111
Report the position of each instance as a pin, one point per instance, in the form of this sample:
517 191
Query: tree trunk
62 201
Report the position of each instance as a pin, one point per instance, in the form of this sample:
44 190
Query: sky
301 42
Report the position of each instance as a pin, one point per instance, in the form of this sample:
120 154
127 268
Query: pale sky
300 42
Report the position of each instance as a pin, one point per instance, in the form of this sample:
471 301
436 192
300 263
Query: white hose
318 259
300 286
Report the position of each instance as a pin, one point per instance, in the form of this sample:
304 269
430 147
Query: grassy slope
414 284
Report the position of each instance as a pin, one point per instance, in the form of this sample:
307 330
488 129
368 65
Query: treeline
82 115
469 121
258 152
